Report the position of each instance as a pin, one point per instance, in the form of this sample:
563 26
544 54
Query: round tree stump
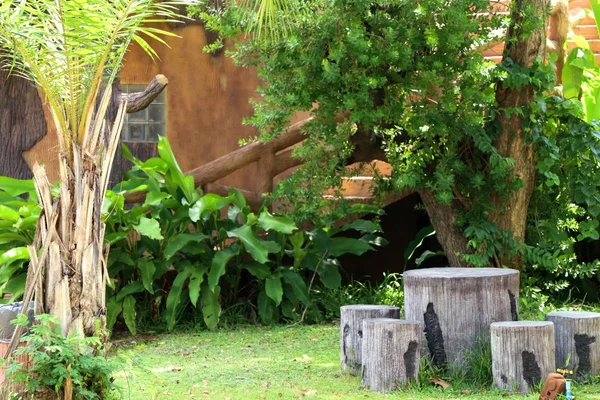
522 353
391 353
577 342
457 306
351 332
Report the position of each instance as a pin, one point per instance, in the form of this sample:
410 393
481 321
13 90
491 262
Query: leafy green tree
72 50
476 140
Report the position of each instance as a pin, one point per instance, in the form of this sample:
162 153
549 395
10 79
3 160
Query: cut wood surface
391 353
457 306
351 332
577 335
140 100
523 354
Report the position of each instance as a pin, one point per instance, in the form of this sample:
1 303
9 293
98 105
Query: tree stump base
457 306
351 332
577 342
391 353
522 354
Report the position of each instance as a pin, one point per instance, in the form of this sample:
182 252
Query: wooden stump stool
522 353
577 341
351 332
391 353
457 306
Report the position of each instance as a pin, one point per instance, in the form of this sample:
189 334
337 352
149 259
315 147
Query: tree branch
140 100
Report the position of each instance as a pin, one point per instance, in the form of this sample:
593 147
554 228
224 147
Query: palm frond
270 17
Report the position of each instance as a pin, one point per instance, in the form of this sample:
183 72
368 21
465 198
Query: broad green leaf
132 288
374 240
572 73
16 253
297 283
219 264
362 225
147 269
185 183
261 271
340 245
211 308
8 214
114 237
16 187
595 4
277 223
13 237
287 309
418 241
209 202
155 198
251 243
181 240
175 296
237 198
265 308
113 309
16 287
274 289
427 254
129 313
330 274
195 281
149 227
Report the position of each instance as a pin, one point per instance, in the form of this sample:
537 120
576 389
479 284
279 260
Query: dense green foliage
58 361
183 250
410 79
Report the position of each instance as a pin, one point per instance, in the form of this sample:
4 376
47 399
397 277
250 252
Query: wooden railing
273 158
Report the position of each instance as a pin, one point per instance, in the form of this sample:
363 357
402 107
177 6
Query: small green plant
58 362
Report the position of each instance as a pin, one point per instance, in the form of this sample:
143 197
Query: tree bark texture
577 342
22 124
70 276
391 353
351 332
522 48
457 306
522 354
443 219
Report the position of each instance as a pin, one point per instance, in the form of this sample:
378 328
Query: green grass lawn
260 363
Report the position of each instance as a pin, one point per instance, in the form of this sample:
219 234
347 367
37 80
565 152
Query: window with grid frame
148 124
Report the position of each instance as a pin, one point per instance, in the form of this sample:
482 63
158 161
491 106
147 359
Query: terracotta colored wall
207 98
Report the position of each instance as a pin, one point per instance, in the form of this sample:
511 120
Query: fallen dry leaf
176 369
466 391
267 385
439 382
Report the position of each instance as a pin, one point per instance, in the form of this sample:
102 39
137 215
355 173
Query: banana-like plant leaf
129 313
132 288
274 289
113 309
211 308
297 283
276 222
266 307
362 225
209 202
175 296
8 214
181 240
195 281
261 271
341 245
185 183
14 254
17 187
219 264
147 269
329 272
149 227
251 243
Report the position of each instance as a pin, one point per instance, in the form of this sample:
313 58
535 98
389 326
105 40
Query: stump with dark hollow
351 332
457 306
391 353
577 342
522 354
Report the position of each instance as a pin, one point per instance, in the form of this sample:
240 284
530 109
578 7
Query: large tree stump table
457 306
577 341
351 332
522 353
391 353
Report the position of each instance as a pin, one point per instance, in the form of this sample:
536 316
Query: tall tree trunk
70 281
510 215
523 48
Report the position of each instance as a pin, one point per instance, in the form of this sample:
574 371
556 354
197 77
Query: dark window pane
137 133
156 113
154 131
140 116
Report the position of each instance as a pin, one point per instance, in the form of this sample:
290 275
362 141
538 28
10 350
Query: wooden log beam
284 161
225 165
140 100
